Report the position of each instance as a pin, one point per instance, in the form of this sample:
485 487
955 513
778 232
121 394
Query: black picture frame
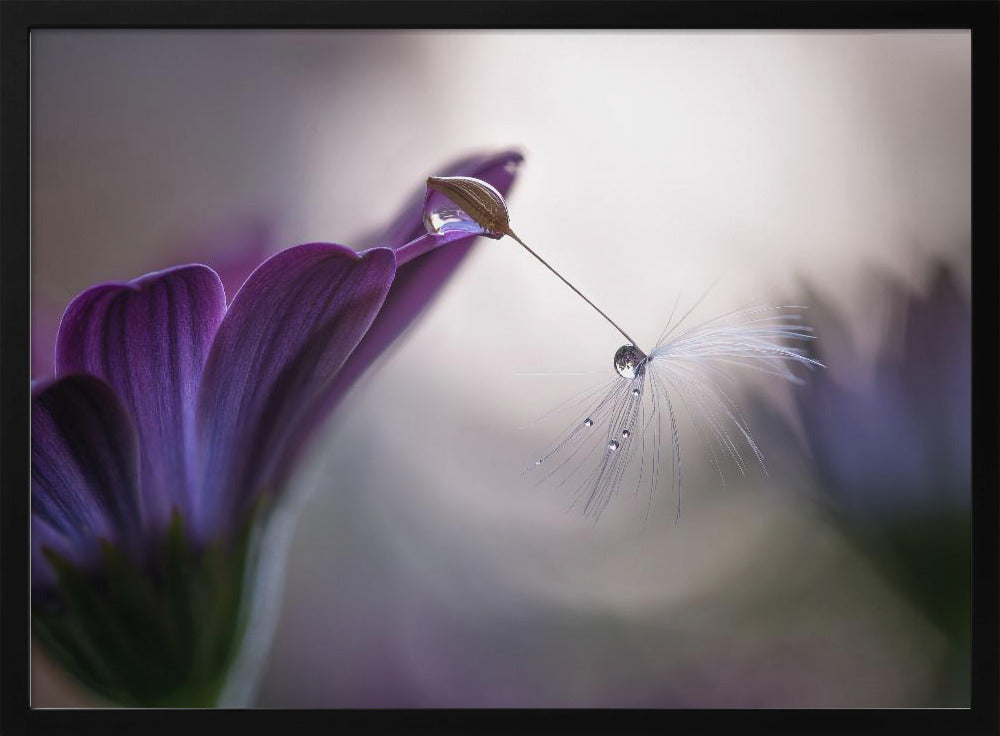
18 19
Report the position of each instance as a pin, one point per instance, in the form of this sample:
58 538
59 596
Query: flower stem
578 292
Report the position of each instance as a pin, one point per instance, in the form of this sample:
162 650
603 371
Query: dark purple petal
149 339
84 471
232 250
286 335
423 267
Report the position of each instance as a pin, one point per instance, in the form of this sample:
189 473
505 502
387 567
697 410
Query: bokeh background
828 169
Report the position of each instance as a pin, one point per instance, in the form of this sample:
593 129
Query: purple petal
149 339
423 267
286 335
497 169
232 250
84 471
864 441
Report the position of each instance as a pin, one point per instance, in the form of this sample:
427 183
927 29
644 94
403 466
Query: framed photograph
482 366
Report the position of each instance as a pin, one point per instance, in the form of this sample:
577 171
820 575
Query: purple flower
891 444
896 440
174 418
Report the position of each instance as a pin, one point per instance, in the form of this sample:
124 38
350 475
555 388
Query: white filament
687 370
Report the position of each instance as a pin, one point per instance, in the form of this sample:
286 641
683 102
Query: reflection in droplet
447 196
629 362
450 219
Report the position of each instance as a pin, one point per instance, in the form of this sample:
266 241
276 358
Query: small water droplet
538 462
588 422
626 434
629 361
613 445
635 392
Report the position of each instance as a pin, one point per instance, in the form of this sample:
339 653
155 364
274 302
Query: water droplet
538 462
449 219
612 445
626 434
635 392
464 204
588 422
629 361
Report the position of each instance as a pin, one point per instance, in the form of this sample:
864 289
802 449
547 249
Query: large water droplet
442 215
613 445
629 361
449 219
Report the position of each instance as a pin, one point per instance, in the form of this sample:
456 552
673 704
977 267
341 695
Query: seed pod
477 199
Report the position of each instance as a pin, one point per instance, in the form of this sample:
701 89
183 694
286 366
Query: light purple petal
84 471
424 264
286 335
149 339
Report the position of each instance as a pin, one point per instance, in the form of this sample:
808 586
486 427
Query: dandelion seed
687 370
690 372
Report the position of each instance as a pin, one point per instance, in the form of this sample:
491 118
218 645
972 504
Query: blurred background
824 169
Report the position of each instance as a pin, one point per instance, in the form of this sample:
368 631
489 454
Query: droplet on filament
464 204
449 219
681 368
636 410
629 362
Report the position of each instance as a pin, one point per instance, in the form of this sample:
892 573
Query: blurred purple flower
899 442
173 417
892 449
